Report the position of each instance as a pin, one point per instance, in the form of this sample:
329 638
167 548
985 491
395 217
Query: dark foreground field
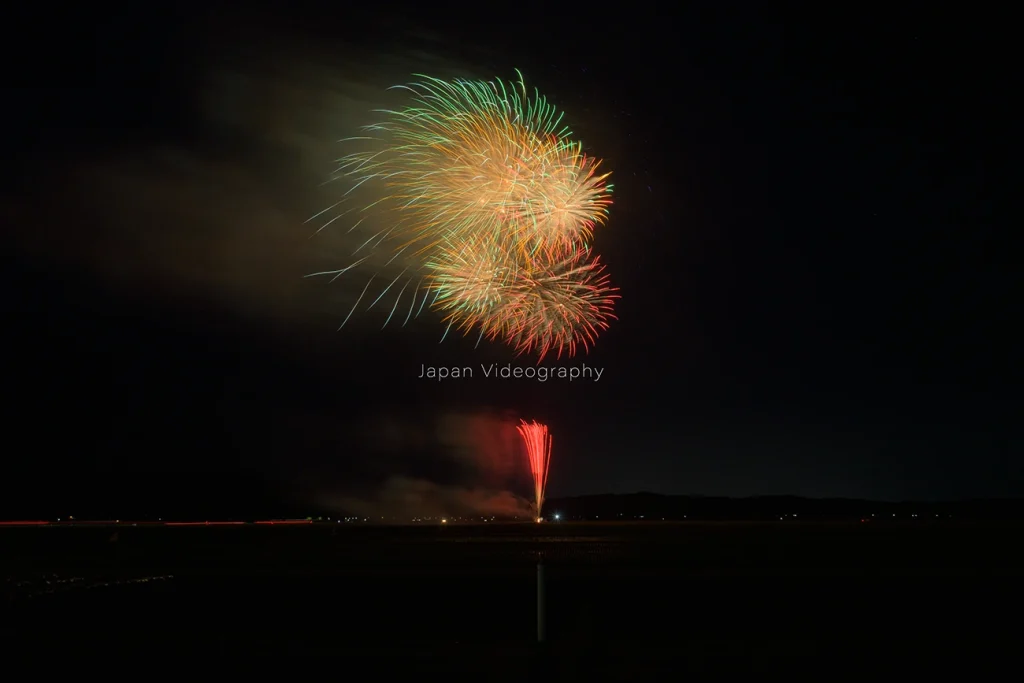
621 600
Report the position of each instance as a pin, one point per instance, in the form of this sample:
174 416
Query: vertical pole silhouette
541 625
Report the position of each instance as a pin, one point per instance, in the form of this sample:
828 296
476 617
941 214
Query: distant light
444 521
558 516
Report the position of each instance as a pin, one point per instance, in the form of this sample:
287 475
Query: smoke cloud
473 465
401 499
217 209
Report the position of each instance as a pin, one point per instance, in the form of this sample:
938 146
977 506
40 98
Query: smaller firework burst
534 303
557 307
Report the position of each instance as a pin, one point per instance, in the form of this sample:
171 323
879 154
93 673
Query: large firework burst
495 205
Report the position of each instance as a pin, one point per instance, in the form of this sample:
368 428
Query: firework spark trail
492 207
538 449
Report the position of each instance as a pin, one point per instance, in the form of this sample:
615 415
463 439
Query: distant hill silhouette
652 506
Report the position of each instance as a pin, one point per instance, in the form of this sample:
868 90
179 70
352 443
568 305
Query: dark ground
622 600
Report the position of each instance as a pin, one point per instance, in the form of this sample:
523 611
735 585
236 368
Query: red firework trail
538 449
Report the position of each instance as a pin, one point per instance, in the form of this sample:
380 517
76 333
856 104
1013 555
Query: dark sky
817 294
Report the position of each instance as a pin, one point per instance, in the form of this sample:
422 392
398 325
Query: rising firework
491 207
538 449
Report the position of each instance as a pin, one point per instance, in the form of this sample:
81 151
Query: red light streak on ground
92 522
538 449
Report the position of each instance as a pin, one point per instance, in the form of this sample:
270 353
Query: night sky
817 290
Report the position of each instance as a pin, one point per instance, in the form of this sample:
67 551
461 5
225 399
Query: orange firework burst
489 159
